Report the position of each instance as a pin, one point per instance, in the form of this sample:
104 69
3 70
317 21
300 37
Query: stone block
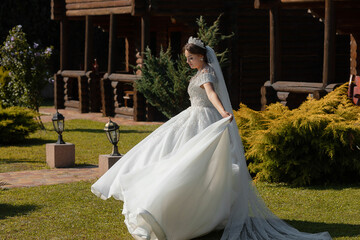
60 155
106 162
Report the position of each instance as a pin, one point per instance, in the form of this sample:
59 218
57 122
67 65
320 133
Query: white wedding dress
189 177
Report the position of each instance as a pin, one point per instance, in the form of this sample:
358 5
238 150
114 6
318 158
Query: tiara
196 42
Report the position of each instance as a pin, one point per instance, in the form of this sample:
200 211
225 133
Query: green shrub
317 143
164 80
16 123
27 70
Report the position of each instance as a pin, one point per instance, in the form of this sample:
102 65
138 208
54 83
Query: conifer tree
164 80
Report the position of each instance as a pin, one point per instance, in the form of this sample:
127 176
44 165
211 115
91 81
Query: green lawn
71 211
88 136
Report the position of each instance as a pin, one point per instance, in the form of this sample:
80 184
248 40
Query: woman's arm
214 99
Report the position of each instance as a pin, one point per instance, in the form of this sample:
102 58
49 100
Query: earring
201 59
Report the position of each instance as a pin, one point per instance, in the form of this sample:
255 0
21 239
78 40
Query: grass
71 211
67 211
89 139
334 209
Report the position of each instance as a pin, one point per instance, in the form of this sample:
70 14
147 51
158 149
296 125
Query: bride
189 177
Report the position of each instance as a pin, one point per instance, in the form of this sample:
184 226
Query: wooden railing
292 94
77 90
120 98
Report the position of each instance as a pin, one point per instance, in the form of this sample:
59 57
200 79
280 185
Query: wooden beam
112 43
64 30
101 11
275 45
329 43
88 53
97 5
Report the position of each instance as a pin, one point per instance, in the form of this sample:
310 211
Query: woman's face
194 60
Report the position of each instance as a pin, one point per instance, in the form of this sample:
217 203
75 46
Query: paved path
48 176
61 175
47 114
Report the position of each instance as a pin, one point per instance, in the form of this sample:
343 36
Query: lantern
58 122
113 134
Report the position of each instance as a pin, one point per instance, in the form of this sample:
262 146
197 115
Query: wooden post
127 50
59 92
64 29
88 44
107 97
139 100
145 32
112 43
329 43
275 49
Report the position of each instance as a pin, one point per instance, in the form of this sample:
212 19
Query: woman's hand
214 99
226 114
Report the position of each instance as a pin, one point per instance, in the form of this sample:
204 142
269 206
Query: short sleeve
206 77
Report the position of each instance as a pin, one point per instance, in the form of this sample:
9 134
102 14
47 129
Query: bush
27 70
315 144
16 123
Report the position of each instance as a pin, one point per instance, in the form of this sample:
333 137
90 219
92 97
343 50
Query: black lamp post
113 134
58 122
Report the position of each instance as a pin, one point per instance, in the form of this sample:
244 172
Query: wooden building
340 18
116 32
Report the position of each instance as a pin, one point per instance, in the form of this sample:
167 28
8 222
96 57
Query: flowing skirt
178 179
188 178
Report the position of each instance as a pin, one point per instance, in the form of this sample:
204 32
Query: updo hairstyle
194 49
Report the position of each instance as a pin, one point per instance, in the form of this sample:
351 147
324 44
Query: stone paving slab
48 176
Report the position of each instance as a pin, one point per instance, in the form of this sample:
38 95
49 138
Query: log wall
97 7
301 39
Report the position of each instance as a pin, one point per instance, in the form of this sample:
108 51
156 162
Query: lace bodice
197 94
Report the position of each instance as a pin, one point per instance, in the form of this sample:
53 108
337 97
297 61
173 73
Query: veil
250 218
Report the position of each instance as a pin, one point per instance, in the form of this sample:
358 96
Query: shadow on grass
28 142
352 185
85 165
102 131
18 160
87 130
9 210
335 229
339 187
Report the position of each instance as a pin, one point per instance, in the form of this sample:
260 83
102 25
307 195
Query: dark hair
194 49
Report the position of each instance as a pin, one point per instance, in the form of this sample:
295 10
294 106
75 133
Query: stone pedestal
60 155
106 162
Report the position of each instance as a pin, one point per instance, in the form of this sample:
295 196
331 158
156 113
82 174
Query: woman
189 176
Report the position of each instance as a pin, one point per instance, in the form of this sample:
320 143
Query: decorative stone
60 155
106 162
